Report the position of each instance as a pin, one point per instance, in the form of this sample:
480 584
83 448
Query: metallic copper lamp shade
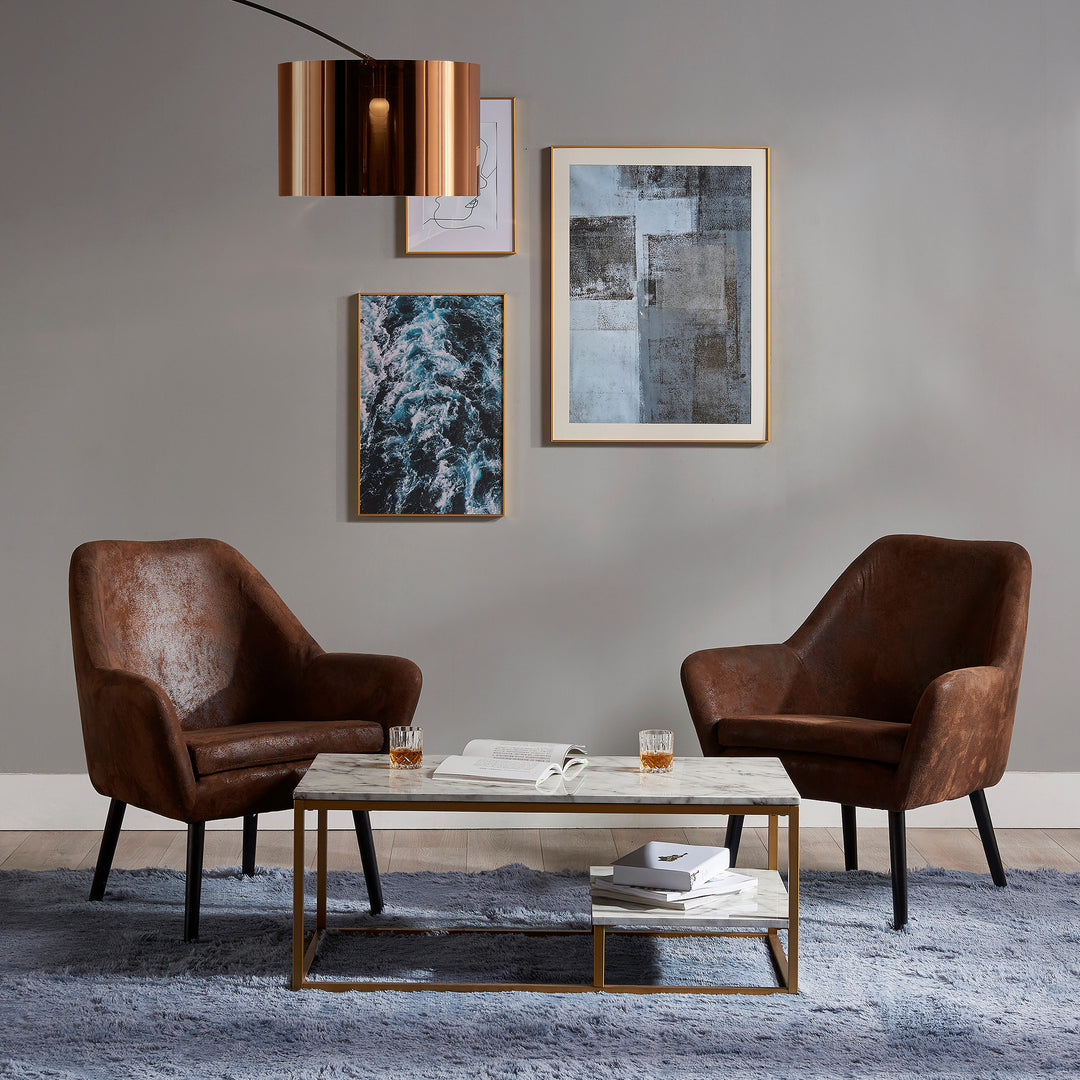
384 127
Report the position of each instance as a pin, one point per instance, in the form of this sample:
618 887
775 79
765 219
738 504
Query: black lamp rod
296 22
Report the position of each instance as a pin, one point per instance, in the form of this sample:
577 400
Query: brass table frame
786 965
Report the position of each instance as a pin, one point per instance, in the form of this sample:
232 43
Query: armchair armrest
135 749
745 679
960 735
360 686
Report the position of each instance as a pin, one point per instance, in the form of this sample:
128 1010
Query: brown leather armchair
202 697
898 691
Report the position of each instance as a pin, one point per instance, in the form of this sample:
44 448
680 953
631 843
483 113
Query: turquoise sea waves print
431 404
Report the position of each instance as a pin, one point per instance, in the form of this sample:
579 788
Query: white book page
464 767
743 902
520 751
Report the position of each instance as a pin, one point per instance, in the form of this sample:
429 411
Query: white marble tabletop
750 781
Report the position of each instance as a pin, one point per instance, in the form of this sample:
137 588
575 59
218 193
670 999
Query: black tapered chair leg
362 824
113 820
733 835
898 858
851 838
196 833
251 832
986 834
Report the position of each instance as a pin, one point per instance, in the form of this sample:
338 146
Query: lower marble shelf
764 907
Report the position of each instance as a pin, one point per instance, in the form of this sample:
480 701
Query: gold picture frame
659 294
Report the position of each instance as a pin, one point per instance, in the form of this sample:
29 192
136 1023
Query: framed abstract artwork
660 294
484 225
430 409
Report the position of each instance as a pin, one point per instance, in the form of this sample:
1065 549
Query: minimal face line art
458 213
472 225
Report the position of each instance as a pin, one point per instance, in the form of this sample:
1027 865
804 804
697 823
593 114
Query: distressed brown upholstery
202 696
898 691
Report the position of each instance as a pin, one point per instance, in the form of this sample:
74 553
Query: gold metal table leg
298 898
793 901
320 874
598 944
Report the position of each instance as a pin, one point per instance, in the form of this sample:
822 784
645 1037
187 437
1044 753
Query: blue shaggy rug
983 984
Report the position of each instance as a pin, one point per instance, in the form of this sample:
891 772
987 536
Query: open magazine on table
517 761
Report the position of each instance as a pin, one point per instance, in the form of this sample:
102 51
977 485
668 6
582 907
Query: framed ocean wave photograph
479 225
430 408
659 294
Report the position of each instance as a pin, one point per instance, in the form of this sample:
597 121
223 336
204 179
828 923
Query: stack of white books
679 877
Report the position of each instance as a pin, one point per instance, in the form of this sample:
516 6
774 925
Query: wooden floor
547 849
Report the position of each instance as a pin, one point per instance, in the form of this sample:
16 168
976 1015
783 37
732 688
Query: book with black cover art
658 865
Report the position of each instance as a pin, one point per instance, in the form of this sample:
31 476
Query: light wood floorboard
627 840
429 849
549 849
1069 839
954 849
343 849
753 848
134 850
1030 849
577 849
9 841
873 850
175 857
48 850
488 849
222 848
818 849
274 847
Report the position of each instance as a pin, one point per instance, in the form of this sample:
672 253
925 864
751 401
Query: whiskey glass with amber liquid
406 747
656 749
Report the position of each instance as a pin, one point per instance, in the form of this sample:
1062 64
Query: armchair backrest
195 617
907 610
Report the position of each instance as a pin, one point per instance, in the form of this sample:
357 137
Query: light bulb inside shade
386 127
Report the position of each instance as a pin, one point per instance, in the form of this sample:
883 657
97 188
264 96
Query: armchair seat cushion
836 736
245 746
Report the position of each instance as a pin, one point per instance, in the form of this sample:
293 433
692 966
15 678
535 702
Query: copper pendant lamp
376 127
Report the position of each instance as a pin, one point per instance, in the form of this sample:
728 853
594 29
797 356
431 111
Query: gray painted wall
178 353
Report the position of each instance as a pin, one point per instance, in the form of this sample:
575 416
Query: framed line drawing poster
660 294
484 225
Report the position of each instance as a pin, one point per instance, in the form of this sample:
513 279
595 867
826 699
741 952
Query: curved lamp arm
296 22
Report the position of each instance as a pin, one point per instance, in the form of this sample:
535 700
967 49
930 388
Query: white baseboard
1023 800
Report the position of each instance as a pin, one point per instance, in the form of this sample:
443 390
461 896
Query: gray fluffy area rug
984 983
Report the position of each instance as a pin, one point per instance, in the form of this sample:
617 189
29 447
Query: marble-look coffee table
610 785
